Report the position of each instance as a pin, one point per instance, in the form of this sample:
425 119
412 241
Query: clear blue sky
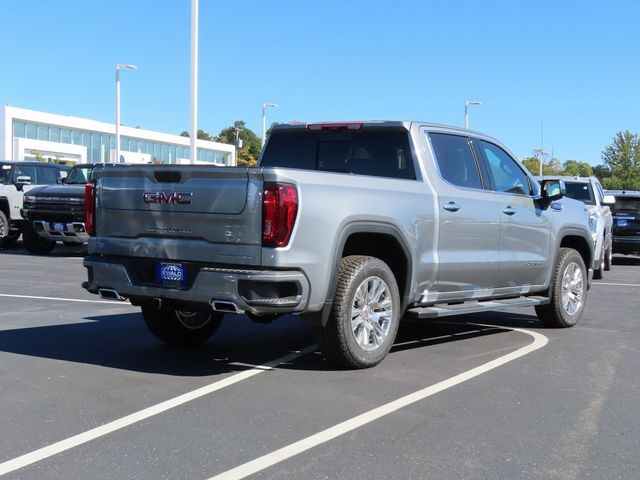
572 63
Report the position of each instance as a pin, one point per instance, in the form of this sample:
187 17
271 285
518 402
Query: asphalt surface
438 407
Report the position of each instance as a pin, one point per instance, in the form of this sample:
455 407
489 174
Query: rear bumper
253 291
626 244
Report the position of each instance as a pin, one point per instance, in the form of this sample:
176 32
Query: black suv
626 222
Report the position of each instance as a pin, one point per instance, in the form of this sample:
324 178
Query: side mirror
21 181
553 190
609 200
60 180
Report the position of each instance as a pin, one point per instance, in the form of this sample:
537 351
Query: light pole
466 111
194 82
120 66
264 120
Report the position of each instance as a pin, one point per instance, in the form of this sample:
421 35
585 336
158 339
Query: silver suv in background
589 191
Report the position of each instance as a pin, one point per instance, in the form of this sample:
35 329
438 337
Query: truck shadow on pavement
122 341
626 260
60 251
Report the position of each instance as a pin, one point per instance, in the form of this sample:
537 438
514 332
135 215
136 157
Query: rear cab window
580 191
383 152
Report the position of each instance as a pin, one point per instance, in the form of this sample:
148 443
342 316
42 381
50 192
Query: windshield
580 191
627 203
79 174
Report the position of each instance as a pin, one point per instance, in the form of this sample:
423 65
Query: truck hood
57 192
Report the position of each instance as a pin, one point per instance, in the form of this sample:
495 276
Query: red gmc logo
183 198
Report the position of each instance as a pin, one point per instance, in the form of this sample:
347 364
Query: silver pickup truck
354 226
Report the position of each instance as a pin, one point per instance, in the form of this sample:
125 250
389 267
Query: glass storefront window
65 135
19 129
133 145
76 137
124 143
43 132
54 134
32 130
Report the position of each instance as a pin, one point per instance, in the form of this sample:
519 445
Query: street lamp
466 111
120 66
264 120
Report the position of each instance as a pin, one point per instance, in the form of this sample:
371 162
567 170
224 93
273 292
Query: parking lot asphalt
87 392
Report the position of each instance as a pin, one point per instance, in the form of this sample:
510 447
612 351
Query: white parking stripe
61 446
63 299
324 436
617 284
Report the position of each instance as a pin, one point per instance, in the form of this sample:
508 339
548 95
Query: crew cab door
525 238
469 222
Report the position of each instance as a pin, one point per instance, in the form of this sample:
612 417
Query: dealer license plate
58 227
171 274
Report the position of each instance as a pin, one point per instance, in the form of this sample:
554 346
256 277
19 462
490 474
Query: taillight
279 210
89 208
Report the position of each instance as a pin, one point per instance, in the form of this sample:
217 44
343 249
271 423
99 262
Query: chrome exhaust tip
225 307
110 294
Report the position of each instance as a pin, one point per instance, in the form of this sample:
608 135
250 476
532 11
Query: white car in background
589 191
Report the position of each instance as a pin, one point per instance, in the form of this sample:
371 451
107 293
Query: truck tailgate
191 213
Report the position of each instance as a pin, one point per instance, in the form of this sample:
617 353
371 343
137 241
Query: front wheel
181 327
599 273
7 238
608 259
568 291
365 314
34 243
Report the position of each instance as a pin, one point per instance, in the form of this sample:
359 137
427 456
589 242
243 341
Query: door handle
509 210
452 207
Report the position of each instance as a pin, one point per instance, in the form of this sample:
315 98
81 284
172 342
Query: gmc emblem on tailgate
183 198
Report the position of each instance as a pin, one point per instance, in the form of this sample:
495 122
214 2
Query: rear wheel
181 327
568 291
365 314
34 243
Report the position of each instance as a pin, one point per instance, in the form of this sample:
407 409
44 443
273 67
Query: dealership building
29 135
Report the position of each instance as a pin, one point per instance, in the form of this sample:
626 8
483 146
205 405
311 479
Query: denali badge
169 197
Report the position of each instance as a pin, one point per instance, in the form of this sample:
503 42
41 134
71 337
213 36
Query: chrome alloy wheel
192 320
572 288
371 313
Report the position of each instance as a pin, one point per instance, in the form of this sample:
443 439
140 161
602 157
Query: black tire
181 327
6 239
34 243
608 259
338 340
555 314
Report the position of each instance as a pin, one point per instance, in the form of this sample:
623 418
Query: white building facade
29 135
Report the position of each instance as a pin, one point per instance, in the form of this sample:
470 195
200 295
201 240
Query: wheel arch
375 239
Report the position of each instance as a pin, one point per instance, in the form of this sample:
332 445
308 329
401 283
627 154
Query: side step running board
444 310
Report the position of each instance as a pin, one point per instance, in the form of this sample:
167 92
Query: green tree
601 171
622 157
202 135
532 164
575 168
247 155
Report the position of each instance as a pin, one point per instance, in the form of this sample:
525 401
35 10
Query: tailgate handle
167 176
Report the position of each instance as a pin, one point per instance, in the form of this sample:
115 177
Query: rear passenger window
506 174
380 153
455 159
